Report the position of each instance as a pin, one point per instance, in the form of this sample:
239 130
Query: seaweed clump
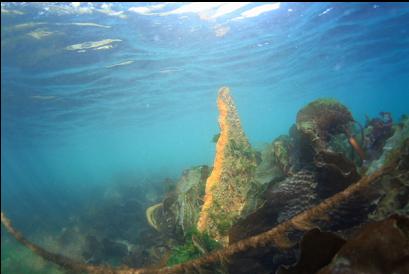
282 149
322 119
377 131
179 210
196 244
379 247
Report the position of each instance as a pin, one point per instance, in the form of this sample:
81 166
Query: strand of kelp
276 236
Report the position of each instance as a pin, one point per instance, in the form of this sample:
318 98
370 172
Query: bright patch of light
140 10
261 9
195 8
107 9
205 10
228 8
325 11
106 6
258 10
147 10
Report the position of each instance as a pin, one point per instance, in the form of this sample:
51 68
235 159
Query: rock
231 187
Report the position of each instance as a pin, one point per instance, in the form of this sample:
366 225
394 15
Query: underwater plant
327 252
321 119
179 210
196 244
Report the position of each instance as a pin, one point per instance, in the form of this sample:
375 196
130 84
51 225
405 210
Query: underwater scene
217 137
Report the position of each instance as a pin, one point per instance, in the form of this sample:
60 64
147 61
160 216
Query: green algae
190 249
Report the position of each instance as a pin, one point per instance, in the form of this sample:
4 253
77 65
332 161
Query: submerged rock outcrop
232 179
259 205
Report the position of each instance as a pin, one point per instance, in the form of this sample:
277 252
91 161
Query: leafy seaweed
189 250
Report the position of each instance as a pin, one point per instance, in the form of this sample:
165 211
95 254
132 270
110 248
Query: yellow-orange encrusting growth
214 177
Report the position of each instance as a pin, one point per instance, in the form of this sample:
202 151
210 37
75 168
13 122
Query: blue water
145 104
